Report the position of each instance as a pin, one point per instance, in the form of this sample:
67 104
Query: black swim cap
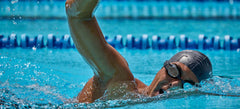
196 61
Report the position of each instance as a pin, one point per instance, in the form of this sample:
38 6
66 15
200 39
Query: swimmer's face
163 82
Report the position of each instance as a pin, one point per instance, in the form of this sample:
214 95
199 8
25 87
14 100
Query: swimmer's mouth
160 91
157 91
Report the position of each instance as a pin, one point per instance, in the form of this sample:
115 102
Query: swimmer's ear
186 73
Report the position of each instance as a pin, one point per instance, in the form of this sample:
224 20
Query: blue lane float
192 44
110 41
216 43
155 40
227 42
145 42
51 39
118 42
208 43
162 44
32 42
24 41
8 42
141 42
4 42
230 43
183 42
13 41
201 41
137 43
66 43
234 44
56 42
131 42
39 41
171 42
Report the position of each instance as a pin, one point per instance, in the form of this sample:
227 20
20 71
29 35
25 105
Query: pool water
137 27
52 78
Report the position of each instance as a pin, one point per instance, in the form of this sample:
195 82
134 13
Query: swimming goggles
175 72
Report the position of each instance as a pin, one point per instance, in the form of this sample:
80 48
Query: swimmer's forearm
88 40
86 34
80 8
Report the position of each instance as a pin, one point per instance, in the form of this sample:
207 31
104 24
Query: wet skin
110 68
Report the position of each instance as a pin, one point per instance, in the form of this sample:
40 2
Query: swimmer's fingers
80 8
70 9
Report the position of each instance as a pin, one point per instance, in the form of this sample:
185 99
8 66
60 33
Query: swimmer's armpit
80 8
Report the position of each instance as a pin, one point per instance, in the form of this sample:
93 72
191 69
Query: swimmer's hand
80 8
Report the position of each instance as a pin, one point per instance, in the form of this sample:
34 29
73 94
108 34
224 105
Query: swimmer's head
186 66
195 61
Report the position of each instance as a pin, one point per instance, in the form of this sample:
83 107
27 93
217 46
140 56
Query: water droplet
27 64
14 22
14 1
8 8
34 48
1 73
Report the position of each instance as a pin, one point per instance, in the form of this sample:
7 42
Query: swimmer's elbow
80 8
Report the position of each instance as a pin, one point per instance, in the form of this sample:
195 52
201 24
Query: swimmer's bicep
114 66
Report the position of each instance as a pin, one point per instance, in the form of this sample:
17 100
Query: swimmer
112 75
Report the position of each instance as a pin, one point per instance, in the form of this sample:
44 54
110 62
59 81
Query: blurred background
136 17
37 75
197 9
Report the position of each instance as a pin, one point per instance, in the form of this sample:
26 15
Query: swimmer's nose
165 87
176 83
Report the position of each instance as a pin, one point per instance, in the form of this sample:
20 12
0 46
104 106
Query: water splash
222 86
31 84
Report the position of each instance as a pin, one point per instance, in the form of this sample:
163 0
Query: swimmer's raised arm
106 62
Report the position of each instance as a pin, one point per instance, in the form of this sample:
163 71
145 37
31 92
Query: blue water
51 78
111 27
